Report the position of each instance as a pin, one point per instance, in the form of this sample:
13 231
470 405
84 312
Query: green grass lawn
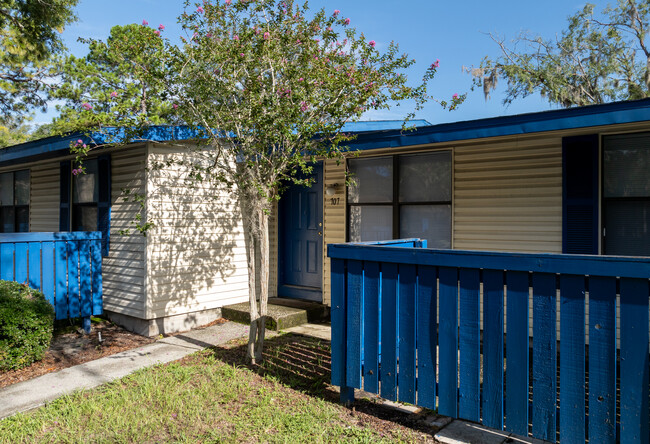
210 397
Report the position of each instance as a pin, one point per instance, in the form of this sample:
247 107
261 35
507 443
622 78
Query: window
626 195
400 197
14 202
85 195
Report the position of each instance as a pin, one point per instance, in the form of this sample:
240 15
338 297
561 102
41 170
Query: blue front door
301 240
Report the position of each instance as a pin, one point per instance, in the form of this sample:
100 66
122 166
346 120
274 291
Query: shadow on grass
304 364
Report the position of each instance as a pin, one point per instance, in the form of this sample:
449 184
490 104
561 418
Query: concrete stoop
282 313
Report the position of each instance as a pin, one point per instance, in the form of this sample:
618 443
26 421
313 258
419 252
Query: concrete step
282 313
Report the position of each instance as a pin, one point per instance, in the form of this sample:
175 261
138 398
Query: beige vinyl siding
273 252
508 196
196 252
334 228
45 197
124 267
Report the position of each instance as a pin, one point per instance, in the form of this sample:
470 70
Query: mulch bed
71 346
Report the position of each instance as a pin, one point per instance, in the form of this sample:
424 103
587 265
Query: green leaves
121 82
30 37
597 59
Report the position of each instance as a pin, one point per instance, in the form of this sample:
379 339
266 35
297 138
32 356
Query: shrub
26 324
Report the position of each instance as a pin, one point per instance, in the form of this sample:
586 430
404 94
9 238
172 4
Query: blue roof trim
377 134
589 116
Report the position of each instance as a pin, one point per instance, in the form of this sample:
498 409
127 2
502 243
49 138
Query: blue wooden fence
386 337
66 267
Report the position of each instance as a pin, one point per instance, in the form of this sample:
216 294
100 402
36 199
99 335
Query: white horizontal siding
45 197
196 253
334 225
508 196
124 267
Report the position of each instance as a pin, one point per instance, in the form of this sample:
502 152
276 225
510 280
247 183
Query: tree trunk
256 223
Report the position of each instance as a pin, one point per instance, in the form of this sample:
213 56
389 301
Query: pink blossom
257 31
161 27
87 106
228 2
241 54
267 36
145 23
79 142
372 43
235 37
114 94
317 40
329 28
175 106
336 12
200 10
455 96
157 32
347 21
76 171
300 79
435 64
304 106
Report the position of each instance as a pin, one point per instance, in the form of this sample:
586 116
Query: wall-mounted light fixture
330 189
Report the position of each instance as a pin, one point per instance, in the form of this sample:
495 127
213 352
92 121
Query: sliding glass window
400 197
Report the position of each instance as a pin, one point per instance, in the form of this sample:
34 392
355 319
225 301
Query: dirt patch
70 346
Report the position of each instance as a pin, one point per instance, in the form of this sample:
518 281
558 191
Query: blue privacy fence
406 324
66 267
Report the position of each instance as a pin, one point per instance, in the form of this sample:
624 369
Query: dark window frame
396 204
16 207
604 201
76 206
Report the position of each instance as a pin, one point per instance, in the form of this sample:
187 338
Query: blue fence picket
97 287
371 327
35 265
572 362
7 262
469 344
47 271
21 263
427 336
73 280
544 356
493 348
85 288
61 276
448 342
516 403
338 316
388 371
407 329
355 301
634 361
602 359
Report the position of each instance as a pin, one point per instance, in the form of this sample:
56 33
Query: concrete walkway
39 391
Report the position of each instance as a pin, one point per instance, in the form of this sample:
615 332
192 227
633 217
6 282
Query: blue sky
453 31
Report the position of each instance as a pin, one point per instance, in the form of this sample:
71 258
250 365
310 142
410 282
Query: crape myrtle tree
269 85
266 86
598 58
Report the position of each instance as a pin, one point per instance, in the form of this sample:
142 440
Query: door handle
320 233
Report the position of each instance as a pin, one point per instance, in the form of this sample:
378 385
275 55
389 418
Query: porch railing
406 324
66 267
